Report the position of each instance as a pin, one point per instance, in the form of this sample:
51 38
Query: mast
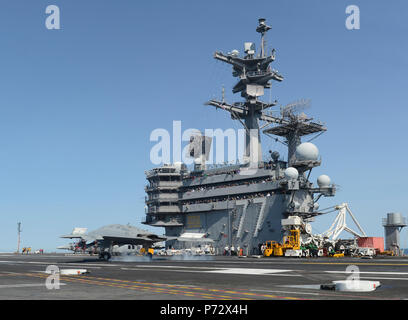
262 29
293 128
253 73
18 236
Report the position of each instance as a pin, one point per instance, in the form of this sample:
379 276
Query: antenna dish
199 146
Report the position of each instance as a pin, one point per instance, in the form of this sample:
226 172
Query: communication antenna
290 109
262 29
18 234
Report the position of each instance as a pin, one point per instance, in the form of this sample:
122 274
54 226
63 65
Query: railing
153 186
402 221
151 220
163 209
163 197
257 73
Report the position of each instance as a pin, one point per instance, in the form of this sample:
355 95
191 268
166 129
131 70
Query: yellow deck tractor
147 252
290 246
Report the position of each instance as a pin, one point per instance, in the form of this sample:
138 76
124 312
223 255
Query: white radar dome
323 181
291 173
307 151
178 165
197 161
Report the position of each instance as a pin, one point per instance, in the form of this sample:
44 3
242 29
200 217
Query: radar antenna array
291 109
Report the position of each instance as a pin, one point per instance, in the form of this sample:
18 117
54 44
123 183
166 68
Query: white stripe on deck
289 292
25 285
268 272
97 266
249 271
382 278
369 272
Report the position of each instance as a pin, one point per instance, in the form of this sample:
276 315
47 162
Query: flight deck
23 277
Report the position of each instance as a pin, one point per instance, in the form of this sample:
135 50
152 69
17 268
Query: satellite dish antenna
199 147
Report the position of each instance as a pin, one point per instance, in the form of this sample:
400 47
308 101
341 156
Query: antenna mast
18 234
253 73
262 29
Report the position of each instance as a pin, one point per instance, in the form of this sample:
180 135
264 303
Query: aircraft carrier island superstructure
242 205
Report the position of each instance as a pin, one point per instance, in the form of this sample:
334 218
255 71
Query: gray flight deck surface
203 278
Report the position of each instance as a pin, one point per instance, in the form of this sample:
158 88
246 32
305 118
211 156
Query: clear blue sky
77 105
